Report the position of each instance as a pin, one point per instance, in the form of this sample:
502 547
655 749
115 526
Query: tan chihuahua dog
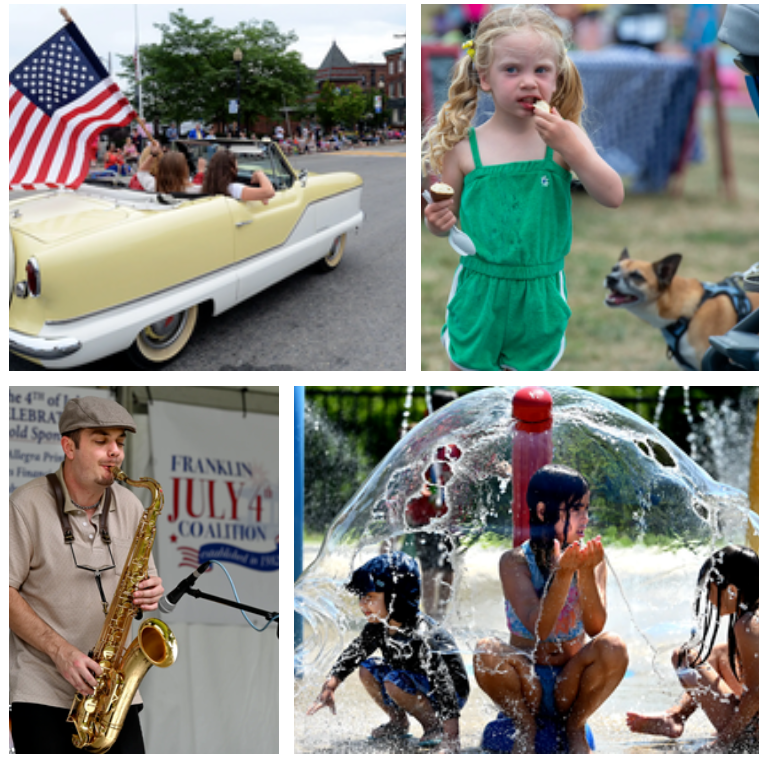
686 310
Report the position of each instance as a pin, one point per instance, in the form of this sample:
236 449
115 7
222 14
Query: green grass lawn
716 238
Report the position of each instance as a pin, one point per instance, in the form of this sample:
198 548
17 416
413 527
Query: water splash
643 487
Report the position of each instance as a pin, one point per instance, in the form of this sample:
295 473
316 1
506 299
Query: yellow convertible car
104 269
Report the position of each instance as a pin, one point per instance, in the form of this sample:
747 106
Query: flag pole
137 62
139 119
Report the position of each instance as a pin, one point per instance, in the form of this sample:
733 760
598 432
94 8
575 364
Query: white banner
35 441
219 472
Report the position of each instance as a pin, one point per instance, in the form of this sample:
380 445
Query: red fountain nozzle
532 409
532 449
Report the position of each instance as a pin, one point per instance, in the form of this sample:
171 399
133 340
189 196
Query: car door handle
242 224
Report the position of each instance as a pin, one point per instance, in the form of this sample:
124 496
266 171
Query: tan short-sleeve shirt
66 598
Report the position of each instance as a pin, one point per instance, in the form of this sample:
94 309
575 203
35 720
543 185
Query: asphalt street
350 319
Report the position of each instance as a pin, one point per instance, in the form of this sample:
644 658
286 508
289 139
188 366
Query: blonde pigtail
454 119
568 98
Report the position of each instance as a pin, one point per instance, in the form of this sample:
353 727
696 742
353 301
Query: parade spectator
172 132
115 160
235 131
130 152
197 133
199 177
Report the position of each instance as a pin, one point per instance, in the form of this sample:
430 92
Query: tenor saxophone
98 719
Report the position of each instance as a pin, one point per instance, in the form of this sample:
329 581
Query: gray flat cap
94 413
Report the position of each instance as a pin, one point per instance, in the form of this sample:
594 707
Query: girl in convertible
555 601
221 175
722 680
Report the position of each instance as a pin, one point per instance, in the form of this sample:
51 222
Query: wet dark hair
552 486
395 575
732 565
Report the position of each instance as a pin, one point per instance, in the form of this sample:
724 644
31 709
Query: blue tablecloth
638 104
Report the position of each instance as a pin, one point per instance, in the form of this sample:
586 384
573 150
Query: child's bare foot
391 730
666 724
577 741
431 737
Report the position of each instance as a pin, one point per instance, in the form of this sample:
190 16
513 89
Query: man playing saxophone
64 569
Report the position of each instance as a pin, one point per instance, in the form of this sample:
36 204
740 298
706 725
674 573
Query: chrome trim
42 349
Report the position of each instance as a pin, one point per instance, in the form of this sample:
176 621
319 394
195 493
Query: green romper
507 308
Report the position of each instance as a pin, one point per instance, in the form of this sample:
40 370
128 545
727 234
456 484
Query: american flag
61 96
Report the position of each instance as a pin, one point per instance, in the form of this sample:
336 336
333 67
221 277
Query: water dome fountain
659 513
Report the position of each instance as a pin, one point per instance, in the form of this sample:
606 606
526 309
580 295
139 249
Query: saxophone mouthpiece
118 473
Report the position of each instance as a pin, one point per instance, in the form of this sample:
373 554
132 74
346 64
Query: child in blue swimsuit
555 599
421 672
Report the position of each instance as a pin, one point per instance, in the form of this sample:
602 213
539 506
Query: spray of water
644 489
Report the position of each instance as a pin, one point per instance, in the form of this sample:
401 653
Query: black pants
41 729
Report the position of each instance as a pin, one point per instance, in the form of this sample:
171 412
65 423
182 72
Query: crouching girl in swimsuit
723 680
555 599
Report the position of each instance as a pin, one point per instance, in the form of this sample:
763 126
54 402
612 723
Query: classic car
104 269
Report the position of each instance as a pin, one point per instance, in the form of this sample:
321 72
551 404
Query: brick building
388 76
395 84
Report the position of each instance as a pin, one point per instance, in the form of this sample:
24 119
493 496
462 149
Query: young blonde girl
511 178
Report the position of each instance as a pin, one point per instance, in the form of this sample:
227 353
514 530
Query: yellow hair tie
470 48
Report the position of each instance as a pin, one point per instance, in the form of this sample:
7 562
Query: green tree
340 105
191 74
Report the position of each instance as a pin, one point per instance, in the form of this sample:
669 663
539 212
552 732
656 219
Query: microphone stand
269 615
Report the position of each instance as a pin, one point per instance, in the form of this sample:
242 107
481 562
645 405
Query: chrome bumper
36 348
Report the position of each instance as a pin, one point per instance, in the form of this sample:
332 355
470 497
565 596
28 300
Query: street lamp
238 61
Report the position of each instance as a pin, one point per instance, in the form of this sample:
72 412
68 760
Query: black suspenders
69 535
103 522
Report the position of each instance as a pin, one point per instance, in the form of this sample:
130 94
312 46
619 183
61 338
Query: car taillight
33 277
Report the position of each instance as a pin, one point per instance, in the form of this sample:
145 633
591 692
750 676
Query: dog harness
730 287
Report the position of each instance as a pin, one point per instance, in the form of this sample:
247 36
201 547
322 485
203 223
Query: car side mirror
303 177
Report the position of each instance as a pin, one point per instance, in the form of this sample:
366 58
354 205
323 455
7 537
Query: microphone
167 602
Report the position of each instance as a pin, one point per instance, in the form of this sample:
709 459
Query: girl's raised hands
577 556
592 553
569 559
